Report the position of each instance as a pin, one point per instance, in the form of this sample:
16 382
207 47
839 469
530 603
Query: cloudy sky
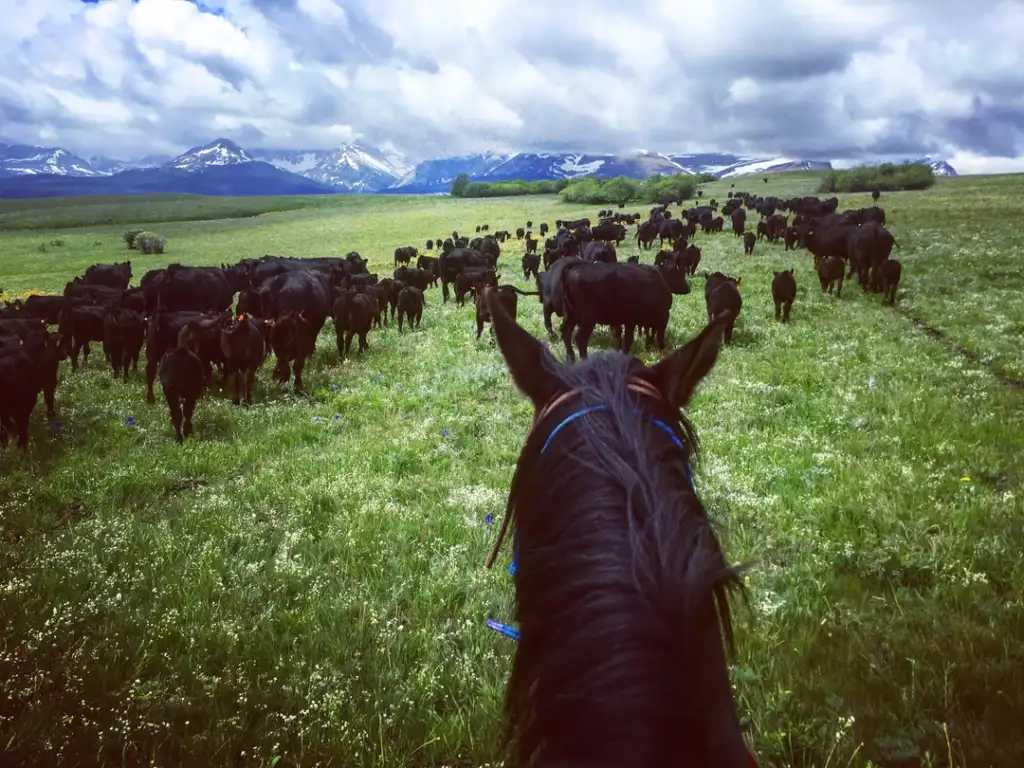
812 78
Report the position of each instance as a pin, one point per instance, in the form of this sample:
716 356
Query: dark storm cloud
806 78
996 130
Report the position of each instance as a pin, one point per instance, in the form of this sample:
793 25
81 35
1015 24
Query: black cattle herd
183 315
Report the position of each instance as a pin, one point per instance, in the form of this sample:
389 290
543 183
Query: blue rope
512 632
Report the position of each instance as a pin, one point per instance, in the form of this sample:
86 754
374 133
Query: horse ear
678 375
531 365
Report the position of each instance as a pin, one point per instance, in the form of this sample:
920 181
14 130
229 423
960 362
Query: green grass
287 584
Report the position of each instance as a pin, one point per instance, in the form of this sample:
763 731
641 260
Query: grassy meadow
302 582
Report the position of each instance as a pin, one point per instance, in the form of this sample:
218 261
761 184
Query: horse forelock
618 557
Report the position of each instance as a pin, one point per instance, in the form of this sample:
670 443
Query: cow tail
896 243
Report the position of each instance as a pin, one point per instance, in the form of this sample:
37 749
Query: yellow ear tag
241 318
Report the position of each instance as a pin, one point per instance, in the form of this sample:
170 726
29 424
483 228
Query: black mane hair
620 583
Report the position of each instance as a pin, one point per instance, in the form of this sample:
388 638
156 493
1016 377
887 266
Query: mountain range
222 167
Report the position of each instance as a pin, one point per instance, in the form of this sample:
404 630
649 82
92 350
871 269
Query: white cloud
812 78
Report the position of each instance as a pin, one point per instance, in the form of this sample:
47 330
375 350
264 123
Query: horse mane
617 564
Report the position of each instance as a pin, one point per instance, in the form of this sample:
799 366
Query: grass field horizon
302 582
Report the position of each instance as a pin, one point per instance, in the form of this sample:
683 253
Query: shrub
130 235
57 242
147 242
885 178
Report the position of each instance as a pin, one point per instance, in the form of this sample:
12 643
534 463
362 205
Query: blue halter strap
636 385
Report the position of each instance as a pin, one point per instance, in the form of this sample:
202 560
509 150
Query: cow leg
151 364
348 341
236 383
616 336
363 344
188 407
778 309
839 287
479 326
76 346
86 349
630 334
174 406
300 363
548 311
583 337
567 329
250 380
21 422
785 311
339 334
400 321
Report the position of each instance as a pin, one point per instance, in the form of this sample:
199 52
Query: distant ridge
223 167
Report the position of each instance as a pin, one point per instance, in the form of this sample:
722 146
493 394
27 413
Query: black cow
531 265
889 273
645 234
452 263
867 246
28 366
124 332
722 296
831 270
470 277
360 319
243 346
749 241
609 232
181 378
415 276
783 293
739 221
110 275
78 326
162 335
404 255
599 251
619 294
410 305
293 339
506 294
199 289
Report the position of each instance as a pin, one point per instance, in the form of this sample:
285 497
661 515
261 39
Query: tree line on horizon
658 189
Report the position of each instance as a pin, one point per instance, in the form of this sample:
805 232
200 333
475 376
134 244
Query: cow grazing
889 272
783 293
244 348
722 297
410 305
831 271
181 378
749 241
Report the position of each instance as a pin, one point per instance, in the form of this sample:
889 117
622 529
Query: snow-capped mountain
219 152
356 168
299 161
108 166
25 160
360 167
771 165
